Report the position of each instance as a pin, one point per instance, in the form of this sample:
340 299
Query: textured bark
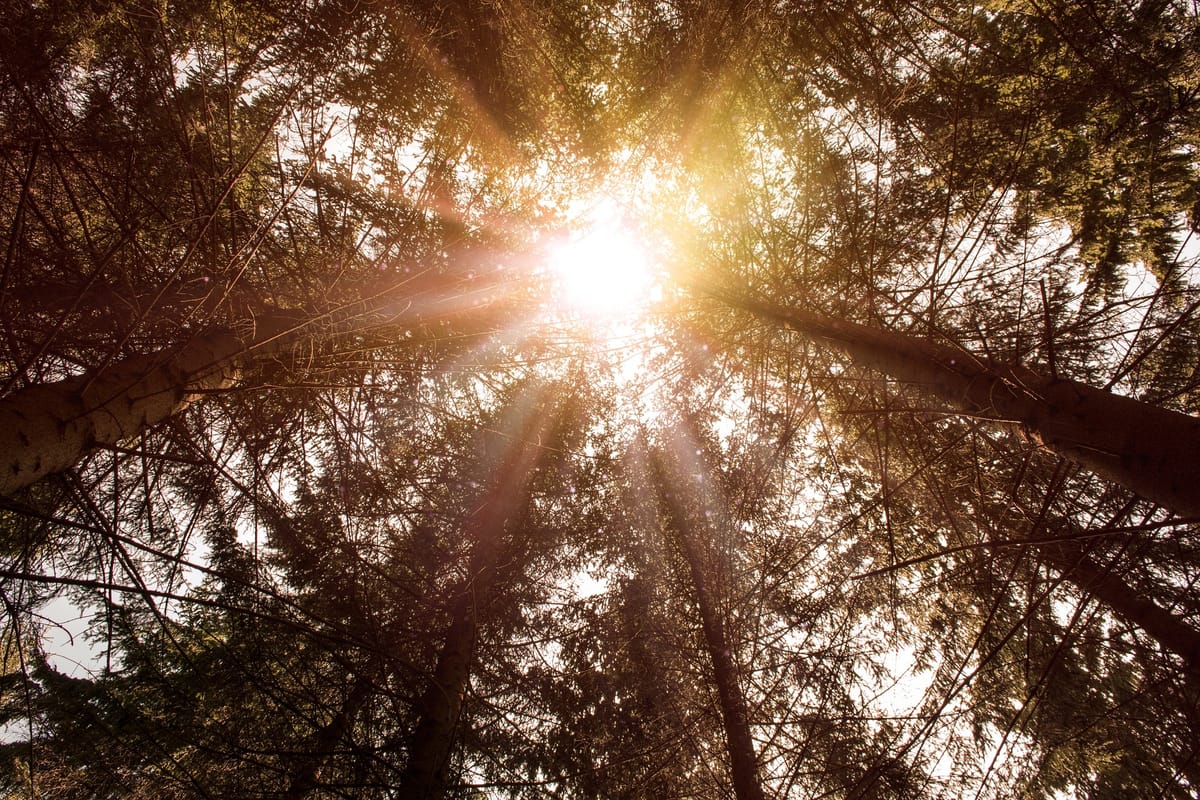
1153 451
47 428
734 713
432 741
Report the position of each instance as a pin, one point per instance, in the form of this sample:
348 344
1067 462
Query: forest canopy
600 399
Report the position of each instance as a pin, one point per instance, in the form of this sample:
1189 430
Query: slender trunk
432 741
734 713
1153 451
308 772
1077 567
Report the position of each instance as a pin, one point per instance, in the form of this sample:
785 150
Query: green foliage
437 467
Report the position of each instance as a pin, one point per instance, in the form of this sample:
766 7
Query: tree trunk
1077 567
432 741
305 777
48 428
734 713
1153 451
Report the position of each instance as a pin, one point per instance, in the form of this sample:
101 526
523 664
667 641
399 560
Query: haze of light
604 282
603 272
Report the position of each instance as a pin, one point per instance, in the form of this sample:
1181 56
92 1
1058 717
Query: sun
603 271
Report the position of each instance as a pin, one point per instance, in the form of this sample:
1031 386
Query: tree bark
48 428
734 713
1152 451
432 741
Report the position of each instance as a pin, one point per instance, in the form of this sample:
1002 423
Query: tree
689 534
1141 446
50 427
494 529
889 495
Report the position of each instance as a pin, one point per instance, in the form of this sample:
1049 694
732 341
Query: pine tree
891 495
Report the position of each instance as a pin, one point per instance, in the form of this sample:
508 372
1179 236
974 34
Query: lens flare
603 271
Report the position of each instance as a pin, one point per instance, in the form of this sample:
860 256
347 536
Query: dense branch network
893 494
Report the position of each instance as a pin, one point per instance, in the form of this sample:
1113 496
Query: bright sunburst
603 271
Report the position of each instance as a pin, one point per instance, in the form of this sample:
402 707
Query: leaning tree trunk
47 428
1078 568
432 741
734 712
1153 451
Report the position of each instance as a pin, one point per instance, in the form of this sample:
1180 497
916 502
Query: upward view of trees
890 487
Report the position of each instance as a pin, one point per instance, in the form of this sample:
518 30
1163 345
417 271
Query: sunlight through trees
514 399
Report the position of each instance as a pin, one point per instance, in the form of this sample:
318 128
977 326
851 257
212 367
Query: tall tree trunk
1080 569
1153 451
48 428
433 737
734 713
432 740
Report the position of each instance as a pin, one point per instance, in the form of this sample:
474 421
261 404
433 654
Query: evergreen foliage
347 507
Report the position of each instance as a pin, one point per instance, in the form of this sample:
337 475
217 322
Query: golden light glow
603 271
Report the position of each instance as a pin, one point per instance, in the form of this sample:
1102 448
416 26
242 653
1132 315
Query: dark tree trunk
1076 566
432 741
1153 451
734 713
